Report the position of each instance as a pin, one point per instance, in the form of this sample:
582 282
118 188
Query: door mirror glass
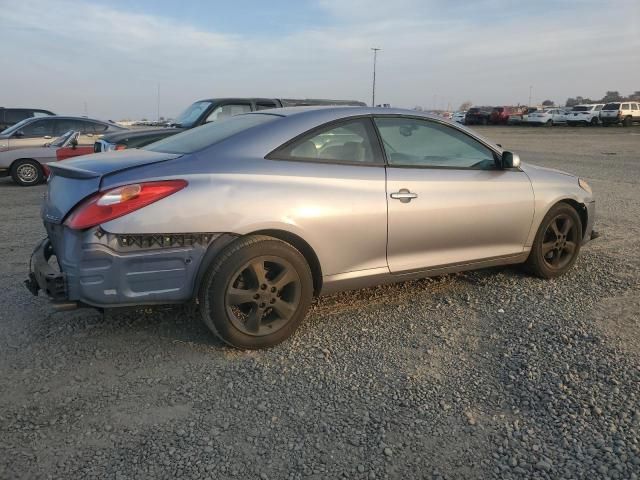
19 134
510 160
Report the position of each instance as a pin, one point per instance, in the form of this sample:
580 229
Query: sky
108 58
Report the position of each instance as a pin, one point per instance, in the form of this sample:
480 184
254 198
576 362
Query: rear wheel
256 292
627 122
549 123
557 243
594 122
27 172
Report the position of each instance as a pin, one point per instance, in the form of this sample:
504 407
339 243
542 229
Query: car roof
66 117
340 111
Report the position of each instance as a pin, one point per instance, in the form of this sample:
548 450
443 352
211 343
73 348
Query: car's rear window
209 134
582 109
611 106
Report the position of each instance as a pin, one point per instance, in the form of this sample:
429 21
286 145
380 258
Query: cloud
434 51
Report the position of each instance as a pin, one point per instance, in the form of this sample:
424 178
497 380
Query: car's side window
229 110
350 142
625 106
410 142
39 128
265 105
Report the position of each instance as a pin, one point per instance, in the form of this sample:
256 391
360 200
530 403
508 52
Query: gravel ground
488 374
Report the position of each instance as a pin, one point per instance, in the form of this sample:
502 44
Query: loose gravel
487 374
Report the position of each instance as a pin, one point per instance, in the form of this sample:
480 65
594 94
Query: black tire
627 122
485 121
594 122
557 242
256 292
549 123
26 172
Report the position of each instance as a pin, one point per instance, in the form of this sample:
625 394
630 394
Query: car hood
142 132
544 171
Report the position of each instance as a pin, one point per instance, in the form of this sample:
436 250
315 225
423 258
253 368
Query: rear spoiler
71 172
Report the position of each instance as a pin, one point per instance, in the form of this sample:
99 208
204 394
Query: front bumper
102 269
589 232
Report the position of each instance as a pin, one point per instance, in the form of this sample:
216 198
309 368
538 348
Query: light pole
530 90
373 94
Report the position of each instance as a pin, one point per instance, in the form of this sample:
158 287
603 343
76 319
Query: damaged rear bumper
101 269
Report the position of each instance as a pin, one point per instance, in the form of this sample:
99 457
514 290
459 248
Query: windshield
60 141
190 116
209 134
16 127
611 106
580 108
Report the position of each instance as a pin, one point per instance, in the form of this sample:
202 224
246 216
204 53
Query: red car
500 115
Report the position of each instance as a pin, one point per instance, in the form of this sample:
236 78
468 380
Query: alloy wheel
263 295
560 242
27 173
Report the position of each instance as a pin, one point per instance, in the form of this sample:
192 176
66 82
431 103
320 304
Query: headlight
584 185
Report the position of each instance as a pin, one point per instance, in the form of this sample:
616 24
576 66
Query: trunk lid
73 180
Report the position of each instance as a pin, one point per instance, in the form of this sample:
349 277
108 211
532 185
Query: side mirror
19 134
510 160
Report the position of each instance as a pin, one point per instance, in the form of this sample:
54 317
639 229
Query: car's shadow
183 325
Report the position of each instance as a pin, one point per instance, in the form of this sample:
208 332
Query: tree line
610 96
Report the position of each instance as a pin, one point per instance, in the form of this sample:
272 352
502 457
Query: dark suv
205 111
11 116
477 116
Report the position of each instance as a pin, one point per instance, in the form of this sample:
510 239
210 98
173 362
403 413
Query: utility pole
530 90
158 117
373 94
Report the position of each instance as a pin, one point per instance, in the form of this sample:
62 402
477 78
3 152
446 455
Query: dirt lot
490 374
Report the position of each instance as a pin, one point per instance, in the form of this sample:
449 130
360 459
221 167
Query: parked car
547 117
205 111
500 115
585 114
11 116
35 132
477 116
522 116
624 113
459 117
251 217
27 166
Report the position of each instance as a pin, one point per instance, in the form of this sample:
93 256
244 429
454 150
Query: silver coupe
251 217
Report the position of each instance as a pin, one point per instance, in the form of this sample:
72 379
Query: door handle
404 195
47 137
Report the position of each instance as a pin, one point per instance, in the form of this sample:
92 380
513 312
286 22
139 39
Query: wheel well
303 247
582 213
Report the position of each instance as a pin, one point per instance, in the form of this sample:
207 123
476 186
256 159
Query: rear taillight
105 206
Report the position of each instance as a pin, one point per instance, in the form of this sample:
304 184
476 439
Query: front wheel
549 123
557 243
256 293
27 172
594 122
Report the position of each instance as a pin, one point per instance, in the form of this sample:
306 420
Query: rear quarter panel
339 210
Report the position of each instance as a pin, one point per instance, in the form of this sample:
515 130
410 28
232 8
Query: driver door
448 202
